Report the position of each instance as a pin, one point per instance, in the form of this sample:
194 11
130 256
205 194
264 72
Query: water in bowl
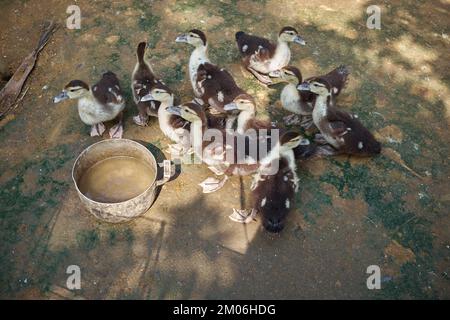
116 179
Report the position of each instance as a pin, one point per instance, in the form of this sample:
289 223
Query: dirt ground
350 213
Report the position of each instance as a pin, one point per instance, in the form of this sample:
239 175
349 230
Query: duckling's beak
230 106
182 38
300 40
304 86
176 110
275 74
147 97
304 142
60 97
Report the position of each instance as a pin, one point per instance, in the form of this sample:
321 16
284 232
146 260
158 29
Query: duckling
173 126
246 120
213 154
274 194
260 56
212 85
103 102
143 80
302 102
239 162
340 129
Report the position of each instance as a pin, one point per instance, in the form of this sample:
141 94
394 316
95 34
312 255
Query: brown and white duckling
246 120
103 102
212 85
274 193
143 80
302 102
261 56
340 129
210 153
213 153
173 126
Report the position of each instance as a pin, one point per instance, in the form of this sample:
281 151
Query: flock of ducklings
219 103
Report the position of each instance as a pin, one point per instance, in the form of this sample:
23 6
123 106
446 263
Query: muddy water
116 179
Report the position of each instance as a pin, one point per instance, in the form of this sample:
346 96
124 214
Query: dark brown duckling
340 129
143 81
260 56
273 193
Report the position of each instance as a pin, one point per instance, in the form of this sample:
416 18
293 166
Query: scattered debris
397 158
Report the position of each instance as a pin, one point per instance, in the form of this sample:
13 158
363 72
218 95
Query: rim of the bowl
152 185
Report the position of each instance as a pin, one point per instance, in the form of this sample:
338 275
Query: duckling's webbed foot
217 171
243 216
212 184
307 122
97 129
261 77
116 131
141 120
291 119
178 149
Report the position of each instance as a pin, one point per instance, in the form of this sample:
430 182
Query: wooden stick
10 93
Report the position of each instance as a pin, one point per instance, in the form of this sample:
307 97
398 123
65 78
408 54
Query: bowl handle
168 172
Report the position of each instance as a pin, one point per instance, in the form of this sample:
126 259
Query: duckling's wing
249 45
357 138
107 90
273 196
218 85
308 99
338 121
178 122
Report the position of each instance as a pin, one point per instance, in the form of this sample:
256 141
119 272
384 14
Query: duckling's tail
140 52
343 69
239 34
